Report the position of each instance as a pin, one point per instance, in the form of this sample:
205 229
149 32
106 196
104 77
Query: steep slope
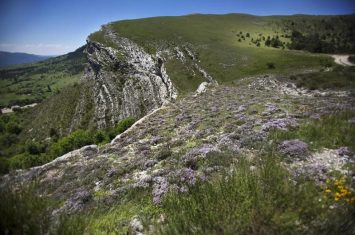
26 84
8 58
184 143
128 81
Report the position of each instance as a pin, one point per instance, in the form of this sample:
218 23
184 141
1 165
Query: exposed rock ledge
128 81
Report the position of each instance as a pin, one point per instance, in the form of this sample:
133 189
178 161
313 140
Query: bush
14 128
326 63
35 148
121 127
254 201
7 140
75 140
24 160
53 133
2 127
311 42
4 166
22 212
100 137
270 65
34 154
339 78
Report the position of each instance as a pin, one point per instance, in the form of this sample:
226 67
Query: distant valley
16 58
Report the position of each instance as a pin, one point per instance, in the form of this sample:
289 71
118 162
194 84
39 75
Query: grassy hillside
55 84
25 84
226 45
253 155
9 58
229 47
188 151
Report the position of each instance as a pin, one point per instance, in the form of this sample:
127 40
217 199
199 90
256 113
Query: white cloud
39 49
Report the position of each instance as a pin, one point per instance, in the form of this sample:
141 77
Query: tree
275 42
268 42
75 140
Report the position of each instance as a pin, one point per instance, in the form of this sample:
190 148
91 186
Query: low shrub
4 166
25 160
331 131
22 211
270 65
75 140
100 137
34 153
121 127
256 198
13 128
339 78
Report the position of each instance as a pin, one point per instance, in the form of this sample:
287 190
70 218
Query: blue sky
53 27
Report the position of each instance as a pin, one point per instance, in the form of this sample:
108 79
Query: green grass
182 77
114 220
25 84
331 131
22 154
261 201
23 211
339 78
214 40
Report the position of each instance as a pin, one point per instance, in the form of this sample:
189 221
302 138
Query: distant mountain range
9 58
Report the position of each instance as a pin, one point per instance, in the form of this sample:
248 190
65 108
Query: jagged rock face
128 81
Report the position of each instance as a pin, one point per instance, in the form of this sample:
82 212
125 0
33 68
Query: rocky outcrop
128 81
185 143
188 58
318 165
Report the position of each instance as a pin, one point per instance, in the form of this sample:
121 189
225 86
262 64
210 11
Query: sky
54 27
